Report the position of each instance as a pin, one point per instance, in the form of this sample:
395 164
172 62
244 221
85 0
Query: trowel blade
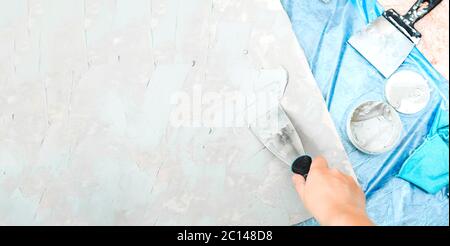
383 45
277 133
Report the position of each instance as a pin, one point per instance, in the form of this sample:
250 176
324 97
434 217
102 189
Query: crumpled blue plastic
346 79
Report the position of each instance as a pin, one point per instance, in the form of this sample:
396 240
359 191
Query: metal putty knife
282 140
387 41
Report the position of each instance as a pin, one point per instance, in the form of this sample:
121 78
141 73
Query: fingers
340 174
299 183
319 162
336 172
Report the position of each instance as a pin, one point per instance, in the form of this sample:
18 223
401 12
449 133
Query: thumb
319 162
299 183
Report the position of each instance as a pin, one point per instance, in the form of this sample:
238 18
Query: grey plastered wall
85 133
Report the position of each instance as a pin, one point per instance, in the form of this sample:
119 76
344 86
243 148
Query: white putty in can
407 91
374 127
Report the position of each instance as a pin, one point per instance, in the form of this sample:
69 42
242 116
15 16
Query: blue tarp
346 79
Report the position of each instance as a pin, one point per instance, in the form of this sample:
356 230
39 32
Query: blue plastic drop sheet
346 79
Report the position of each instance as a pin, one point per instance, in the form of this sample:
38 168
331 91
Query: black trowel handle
302 165
419 10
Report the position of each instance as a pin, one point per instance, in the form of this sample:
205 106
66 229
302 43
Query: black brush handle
419 10
302 165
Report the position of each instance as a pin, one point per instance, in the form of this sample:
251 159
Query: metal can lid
407 91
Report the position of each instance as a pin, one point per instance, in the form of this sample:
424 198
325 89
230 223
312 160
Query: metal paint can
374 127
407 91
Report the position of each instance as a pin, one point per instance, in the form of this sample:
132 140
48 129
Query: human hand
332 197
